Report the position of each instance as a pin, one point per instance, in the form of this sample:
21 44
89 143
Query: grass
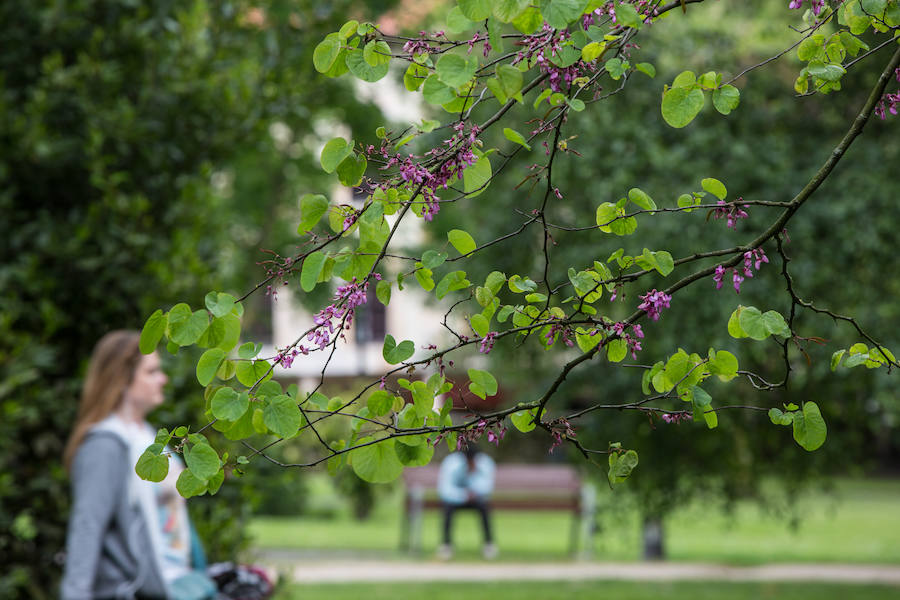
857 525
590 590
860 525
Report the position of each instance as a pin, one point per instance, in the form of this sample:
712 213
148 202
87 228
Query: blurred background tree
147 151
761 151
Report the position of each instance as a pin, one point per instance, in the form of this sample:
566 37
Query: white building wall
408 316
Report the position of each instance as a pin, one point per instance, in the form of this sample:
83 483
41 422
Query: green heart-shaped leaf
395 353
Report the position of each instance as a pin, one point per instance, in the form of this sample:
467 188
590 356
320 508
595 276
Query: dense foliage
763 151
115 119
555 58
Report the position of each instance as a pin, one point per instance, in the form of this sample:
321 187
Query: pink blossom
589 19
544 45
719 275
346 299
888 102
654 302
676 417
286 358
816 5
634 346
495 438
563 330
753 259
418 47
560 429
731 212
487 344
759 256
473 41
452 158
633 343
350 219
494 430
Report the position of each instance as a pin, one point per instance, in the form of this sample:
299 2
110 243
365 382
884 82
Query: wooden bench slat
513 476
511 504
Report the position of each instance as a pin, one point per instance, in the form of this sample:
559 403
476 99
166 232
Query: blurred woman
127 538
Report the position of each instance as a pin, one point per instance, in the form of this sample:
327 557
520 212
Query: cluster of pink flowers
454 157
731 212
816 5
495 437
676 417
719 276
557 328
610 10
350 219
346 299
544 45
753 259
477 38
633 341
277 268
598 14
487 343
560 76
495 432
654 302
890 101
286 357
419 46
439 359
560 429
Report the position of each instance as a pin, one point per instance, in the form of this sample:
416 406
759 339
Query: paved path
349 571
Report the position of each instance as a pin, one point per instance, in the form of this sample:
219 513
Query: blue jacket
455 481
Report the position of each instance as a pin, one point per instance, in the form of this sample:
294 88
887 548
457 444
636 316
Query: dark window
370 319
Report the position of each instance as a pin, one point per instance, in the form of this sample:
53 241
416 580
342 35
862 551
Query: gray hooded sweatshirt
109 549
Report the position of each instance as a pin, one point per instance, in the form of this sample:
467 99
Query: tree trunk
653 539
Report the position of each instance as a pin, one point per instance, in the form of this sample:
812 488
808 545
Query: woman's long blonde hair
113 363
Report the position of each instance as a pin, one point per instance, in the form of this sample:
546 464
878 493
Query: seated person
130 538
466 480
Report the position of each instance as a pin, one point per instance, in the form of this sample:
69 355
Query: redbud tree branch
550 126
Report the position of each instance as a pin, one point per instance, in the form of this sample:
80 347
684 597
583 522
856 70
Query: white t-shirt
171 518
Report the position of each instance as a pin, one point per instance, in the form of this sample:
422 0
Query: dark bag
240 582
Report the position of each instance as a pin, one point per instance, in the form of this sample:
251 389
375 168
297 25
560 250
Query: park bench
522 487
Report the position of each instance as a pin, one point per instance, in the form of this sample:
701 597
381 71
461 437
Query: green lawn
591 590
858 524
